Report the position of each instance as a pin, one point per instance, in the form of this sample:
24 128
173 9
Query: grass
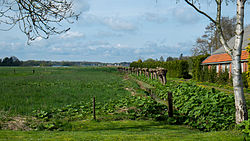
22 91
123 130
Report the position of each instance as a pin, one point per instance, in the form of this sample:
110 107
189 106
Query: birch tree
235 52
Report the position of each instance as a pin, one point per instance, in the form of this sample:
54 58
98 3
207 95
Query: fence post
170 104
94 108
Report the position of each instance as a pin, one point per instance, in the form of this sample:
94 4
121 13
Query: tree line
10 61
14 61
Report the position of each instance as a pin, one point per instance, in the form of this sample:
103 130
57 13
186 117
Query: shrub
245 127
202 108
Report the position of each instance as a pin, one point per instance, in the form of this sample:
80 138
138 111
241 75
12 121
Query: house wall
228 66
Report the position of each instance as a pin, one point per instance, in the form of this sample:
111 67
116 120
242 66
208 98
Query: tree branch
219 28
37 18
201 12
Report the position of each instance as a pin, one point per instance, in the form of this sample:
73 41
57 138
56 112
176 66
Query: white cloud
118 24
114 23
156 18
107 34
54 49
71 34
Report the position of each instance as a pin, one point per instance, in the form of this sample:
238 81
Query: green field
22 91
63 98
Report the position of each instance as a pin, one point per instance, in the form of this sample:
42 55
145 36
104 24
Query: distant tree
228 26
139 61
12 61
200 47
181 56
169 59
16 61
6 61
161 59
36 18
149 60
210 40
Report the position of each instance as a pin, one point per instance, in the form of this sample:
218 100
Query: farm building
222 60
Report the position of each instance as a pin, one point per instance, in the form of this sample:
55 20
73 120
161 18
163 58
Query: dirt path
149 90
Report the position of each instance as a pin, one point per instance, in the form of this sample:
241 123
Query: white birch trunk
240 102
235 53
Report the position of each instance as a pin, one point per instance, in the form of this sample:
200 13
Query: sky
120 31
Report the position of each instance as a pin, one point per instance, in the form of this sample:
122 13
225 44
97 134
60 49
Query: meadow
23 91
56 104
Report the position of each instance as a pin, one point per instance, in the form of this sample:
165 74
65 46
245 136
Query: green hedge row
175 69
197 67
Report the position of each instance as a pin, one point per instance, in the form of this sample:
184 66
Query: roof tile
224 57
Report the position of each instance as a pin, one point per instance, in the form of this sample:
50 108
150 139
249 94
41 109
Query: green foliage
139 61
248 71
245 127
204 74
245 79
197 67
175 69
202 108
128 107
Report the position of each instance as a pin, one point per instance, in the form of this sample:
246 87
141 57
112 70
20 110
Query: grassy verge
123 130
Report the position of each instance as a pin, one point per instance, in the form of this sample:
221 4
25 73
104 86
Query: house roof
220 55
224 58
231 42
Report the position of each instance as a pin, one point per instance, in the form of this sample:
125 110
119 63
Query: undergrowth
202 108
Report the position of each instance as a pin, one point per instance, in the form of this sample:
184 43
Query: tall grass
21 91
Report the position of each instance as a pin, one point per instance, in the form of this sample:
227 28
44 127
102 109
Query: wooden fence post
94 108
170 104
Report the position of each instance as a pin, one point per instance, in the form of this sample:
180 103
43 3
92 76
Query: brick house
222 60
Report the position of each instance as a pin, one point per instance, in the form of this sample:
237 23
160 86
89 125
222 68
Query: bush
245 127
202 108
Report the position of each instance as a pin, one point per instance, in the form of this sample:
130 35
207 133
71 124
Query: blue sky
119 30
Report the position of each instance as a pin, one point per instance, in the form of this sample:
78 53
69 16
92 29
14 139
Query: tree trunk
240 102
234 52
